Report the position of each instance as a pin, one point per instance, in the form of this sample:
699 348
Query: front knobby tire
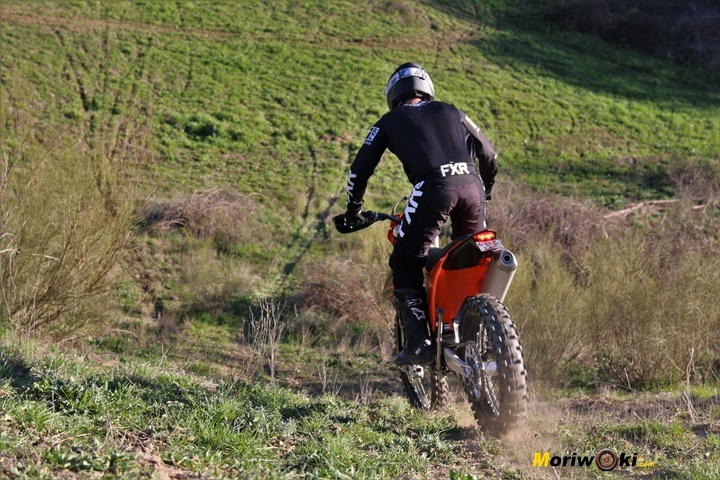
502 400
425 388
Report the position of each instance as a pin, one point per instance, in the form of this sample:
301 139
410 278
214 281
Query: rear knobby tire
486 322
428 393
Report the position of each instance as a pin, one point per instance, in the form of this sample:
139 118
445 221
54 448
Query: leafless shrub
354 314
218 214
631 300
329 379
524 217
697 182
66 218
265 332
344 289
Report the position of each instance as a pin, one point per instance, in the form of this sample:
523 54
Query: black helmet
407 81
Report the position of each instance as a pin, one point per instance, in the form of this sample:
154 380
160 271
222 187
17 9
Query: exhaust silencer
499 274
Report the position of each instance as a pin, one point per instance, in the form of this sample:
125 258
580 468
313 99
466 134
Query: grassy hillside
168 171
276 98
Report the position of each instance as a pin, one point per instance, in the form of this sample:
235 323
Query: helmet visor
404 73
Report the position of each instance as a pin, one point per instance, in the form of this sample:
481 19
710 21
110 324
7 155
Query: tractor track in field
116 131
432 40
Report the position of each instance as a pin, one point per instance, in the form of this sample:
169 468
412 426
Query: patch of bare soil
148 459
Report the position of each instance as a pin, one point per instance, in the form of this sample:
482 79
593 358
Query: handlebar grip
382 216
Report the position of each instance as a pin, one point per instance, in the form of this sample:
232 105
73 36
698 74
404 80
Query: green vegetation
84 419
167 172
274 98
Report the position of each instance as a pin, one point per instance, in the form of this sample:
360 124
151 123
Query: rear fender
457 275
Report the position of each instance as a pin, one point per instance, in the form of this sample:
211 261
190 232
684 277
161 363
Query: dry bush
347 299
697 181
635 311
344 289
634 301
211 224
66 217
220 214
651 307
524 218
549 309
342 298
548 233
265 330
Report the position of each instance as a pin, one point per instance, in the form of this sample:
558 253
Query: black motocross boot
418 348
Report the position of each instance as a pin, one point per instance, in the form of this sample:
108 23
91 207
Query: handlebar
342 226
377 216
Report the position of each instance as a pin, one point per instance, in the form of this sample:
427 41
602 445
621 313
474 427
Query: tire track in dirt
127 125
119 128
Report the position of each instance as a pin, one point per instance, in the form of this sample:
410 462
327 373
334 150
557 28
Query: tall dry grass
66 217
344 292
628 301
600 299
209 239
225 216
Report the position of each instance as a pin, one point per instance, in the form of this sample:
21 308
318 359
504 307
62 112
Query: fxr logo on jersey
460 168
371 135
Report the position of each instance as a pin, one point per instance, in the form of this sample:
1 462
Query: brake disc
473 384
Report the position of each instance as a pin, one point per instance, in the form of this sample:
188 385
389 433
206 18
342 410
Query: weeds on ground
62 414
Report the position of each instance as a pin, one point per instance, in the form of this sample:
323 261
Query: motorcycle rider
437 145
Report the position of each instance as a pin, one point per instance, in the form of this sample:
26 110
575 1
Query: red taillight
485 236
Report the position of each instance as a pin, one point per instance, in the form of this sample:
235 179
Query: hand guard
353 221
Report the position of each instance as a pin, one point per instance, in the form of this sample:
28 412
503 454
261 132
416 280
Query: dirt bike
472 332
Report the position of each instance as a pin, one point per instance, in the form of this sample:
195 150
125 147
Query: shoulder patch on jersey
371 135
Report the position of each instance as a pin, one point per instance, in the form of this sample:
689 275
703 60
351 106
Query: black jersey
431 139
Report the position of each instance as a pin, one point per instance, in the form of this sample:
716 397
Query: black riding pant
459 197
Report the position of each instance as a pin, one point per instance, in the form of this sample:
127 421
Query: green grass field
274 99
228 128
